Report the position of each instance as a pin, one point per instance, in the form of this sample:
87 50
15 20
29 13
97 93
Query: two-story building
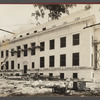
62 48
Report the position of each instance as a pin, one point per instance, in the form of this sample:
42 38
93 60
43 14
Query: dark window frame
75 75
27 33
33 51
91 59
52 44
2 54
61 75
35 31
76 39
51 61
50 74
18 65
75 59
63 60
41 73
25 50
33 65
42 62
21 35
63 42
42 46
18 51
43 29
12 64
7 65
7 53
12 52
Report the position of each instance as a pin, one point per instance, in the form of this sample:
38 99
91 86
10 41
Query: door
75 75
61 75
75 86
25 69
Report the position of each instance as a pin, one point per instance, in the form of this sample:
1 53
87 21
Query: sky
14 17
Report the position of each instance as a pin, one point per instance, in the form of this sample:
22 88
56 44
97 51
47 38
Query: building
62 48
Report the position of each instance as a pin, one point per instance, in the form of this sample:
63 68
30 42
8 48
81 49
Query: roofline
52 29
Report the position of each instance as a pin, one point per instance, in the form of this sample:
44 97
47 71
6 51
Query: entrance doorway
75 86
25 69
75 76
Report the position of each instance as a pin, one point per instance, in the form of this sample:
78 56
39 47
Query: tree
54 11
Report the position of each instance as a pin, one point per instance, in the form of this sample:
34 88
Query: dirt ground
9 88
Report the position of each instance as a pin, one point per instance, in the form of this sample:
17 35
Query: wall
84 48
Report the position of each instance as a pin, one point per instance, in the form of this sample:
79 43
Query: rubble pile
31 88
10 87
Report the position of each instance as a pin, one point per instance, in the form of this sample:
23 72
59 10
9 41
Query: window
91 59
12 64
33 48
52 46
75 59
2 67
12 52
41 73
7 53
50 74
35 31
44 29
2 54
33 65
63 42
42 46
17 74
41 62
18 66
25 50
7 65
18 51
51 61
20 35
92 41
27 33
63 60
75 75
76 39
61 75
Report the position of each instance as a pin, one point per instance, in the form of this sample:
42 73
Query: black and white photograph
49 50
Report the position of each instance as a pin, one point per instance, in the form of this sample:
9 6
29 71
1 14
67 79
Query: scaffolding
96 55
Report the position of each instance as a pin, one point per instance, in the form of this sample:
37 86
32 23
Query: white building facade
59 48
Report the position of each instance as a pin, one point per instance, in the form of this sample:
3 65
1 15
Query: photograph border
49 2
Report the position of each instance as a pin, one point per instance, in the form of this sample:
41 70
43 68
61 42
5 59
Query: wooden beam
91 25
7 31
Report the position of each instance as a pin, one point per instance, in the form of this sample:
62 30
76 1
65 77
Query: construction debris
42 87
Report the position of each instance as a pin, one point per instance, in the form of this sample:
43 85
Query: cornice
67 25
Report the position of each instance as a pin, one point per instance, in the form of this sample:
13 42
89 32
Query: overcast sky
16 16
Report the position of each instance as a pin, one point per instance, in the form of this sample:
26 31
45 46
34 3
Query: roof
66 19
73 17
